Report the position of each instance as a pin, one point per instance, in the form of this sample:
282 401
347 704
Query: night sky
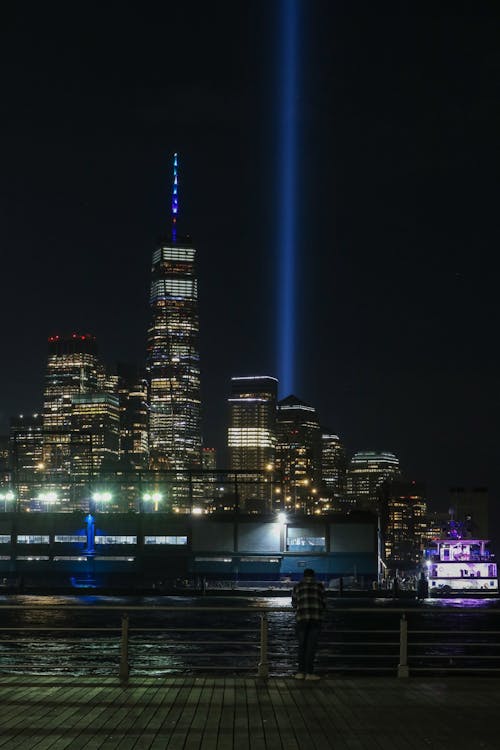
397 225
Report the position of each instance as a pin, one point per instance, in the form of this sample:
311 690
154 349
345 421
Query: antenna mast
175 205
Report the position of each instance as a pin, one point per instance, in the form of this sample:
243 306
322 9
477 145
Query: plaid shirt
308 600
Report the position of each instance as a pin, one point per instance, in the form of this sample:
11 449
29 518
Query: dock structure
221 713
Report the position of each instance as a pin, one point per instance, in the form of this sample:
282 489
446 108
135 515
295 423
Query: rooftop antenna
175 205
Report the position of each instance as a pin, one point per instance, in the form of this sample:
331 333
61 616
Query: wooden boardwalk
221 713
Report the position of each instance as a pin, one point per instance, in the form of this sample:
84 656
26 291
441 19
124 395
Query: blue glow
175 204
287 191
90 524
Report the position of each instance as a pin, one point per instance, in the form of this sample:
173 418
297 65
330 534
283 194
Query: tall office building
366 473
298 454
73 369
251 437
26 455
403 512
333 467
95 435
133 396
173 360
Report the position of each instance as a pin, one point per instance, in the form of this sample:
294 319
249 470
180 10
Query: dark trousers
308 634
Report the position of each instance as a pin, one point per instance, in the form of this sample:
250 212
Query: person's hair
308 573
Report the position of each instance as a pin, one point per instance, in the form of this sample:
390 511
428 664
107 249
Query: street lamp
282 519
270 469
102 497
154 497
48 497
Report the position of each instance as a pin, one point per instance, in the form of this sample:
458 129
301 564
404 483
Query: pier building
151 551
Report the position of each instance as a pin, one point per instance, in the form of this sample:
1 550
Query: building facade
73 369
26 455
251 437
133 400
173 363
298 455
333 469
366 472
403 512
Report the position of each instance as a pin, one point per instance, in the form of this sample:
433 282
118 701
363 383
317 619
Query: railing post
124 665
403 647
263 668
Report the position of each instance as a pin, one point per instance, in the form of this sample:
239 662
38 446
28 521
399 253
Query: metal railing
140 639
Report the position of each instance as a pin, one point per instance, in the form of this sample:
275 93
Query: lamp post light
152 497
270 469
282 519
49 498
103 498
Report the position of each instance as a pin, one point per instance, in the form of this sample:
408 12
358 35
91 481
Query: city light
49 498
197 511
155 497
102 498
282 517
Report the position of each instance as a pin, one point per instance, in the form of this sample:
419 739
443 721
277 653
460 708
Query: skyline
404 139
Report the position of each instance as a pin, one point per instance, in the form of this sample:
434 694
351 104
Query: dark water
222 634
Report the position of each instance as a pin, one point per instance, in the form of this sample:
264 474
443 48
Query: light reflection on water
163 646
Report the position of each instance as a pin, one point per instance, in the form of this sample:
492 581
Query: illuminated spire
175 205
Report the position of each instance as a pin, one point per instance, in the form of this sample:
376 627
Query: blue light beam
287 262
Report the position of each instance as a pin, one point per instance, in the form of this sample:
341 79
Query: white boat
461 567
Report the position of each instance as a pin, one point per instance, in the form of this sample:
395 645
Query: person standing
308 601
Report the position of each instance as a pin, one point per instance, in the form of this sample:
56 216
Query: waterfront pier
221 713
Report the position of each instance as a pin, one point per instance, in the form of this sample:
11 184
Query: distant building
251 437
367 471
173 363
95 435
298 454
73 369
333 467
131 388
26 455
403 513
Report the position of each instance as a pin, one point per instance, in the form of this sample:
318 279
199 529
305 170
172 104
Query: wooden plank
92 713
34 707
210 735
183 727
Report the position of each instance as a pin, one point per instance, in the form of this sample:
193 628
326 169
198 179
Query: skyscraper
133 396
298 453
73 369
367 471
173 360
251 435
403 511
26 454
333 466
95 434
